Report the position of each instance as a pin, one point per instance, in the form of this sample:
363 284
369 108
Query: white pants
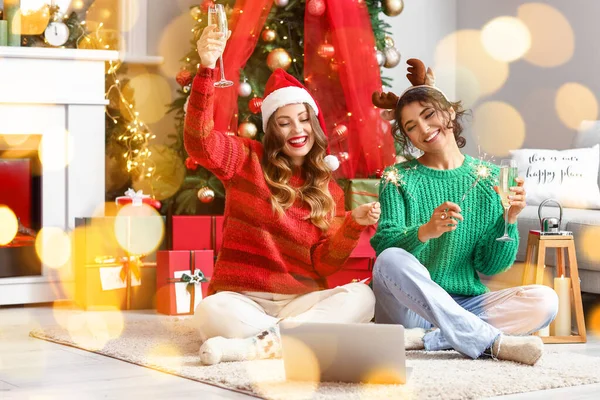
242 315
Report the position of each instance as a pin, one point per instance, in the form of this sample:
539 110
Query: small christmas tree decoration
244 90
392 57
391 8
247 130
206 195
206 4
268 35
191 164
196 13
184 77
281 3
380 58
389 41
255 104
326 50
316 7
279 58
341 130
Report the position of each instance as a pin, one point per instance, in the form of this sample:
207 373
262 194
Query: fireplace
52 101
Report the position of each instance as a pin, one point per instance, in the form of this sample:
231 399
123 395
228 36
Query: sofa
584 223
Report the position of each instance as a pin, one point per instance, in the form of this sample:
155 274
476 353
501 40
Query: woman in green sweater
439 223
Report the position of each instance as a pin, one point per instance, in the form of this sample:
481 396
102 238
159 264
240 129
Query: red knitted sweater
262 252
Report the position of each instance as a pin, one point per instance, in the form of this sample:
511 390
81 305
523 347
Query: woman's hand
444 219
367 214
210 46
516 200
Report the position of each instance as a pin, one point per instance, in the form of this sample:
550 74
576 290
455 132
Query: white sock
413 339
266 344
522 349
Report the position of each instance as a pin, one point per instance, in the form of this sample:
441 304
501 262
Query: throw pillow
569 176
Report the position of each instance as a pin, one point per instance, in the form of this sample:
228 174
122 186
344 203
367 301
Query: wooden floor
35 369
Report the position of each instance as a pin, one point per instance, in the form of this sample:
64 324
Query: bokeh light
92 330
171 46
590 243
34 18
15 140
498 127
167 356
463 79
575 103
9 225
56 149
464 49
552 37
139 229
151 93
506 38
53 246
593 322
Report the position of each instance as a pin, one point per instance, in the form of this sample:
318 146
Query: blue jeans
406 295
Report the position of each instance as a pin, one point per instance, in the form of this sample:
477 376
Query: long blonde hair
278 170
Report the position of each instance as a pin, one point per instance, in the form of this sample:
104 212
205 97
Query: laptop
332 352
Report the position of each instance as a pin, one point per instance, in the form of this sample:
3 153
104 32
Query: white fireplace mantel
49 92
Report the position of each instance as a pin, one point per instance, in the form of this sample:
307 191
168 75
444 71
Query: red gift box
360 264
196 232
175 295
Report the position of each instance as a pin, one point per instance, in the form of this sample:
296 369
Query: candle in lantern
562 323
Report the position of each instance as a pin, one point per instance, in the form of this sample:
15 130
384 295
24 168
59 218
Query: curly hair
278 170
434 98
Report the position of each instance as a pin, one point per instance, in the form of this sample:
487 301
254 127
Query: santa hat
283 89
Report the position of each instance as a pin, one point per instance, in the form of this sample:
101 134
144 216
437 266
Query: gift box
359 265
196 232
137 199
360 191
106 275
182 280
116 283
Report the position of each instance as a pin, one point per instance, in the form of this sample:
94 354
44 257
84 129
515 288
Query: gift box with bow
182 280
137 199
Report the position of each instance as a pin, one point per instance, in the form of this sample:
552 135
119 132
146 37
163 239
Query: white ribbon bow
136 197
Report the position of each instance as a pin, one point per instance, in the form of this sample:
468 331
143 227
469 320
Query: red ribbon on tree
347 26
246 25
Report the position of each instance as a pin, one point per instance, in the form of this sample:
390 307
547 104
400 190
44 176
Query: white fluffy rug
170 344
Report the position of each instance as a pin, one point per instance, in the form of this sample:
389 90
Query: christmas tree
279 37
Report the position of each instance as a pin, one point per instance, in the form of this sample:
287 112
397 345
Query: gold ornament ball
268 35
279 58
206 195
196 13
247 130
392 57
389 41
391 8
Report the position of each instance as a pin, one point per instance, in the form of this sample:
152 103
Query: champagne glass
508 173
217 16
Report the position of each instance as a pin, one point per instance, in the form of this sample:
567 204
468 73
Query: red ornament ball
326 50
316 7
255 104
184 77
206 4
341 130
191 164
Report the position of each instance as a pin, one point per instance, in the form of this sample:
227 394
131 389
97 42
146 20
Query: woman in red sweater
285 226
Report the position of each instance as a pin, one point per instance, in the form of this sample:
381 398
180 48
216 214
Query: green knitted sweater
454 258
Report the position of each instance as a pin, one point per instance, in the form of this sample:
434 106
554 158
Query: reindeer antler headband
417 75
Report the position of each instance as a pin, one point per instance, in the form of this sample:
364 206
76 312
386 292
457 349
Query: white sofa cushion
569 176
